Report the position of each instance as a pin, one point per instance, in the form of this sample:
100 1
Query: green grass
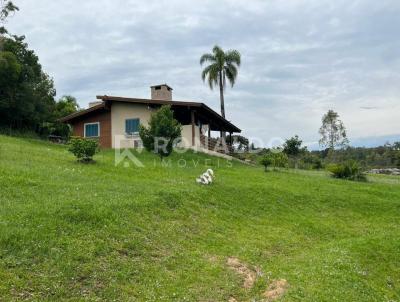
76 232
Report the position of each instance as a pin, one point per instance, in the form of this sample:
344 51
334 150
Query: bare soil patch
249 275
276 289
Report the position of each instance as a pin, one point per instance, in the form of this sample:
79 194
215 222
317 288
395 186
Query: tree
223 65
6 8
333 132
292 148
162 132
275 159
66 105
26 92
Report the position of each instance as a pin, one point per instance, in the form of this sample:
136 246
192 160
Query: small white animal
210 172
206 178
202 180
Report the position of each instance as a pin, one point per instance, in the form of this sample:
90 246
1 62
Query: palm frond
233 57
217 50
207 57
210 73
219 56
231 73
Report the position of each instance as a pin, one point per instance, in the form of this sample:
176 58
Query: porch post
193 129
209 129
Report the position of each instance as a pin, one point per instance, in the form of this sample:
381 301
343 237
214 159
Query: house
115 120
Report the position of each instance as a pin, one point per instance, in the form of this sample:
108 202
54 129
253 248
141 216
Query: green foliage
83 148
333 133
223 65
310 160
266 161
349 170
65 106
26 92
162 132
275 159
292 146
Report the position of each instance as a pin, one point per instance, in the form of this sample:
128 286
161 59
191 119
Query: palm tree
223 65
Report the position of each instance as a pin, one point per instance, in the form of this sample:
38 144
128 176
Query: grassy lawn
70 231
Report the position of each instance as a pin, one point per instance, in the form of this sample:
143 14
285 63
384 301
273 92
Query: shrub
348 170
84 149
275 159
310 161
266 161
161 134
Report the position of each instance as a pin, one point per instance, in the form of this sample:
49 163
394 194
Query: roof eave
80 113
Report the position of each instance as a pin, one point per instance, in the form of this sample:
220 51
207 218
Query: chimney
161 92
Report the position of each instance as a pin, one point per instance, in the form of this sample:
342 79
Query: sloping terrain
71 231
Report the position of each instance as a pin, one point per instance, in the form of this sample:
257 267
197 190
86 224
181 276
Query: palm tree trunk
221 97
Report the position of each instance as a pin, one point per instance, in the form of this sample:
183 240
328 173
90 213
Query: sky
300 58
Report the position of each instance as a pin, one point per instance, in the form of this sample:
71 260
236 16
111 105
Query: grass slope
105 232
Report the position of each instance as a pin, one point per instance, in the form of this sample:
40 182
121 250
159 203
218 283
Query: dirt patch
249 275
276 289
232 299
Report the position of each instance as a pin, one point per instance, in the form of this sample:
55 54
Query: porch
198 125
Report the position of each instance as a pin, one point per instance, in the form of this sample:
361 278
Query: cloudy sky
299 57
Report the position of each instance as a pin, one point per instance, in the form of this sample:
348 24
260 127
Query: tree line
335 150
27 92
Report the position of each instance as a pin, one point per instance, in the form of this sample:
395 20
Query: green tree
162 132
26 92
292 148
223 65
333 133
274 158
66 105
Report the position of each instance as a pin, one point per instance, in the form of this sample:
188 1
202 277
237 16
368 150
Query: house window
132 126
92 130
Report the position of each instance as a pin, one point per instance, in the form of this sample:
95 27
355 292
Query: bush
310 161
161 134
349 170
275 159
266 161
84 149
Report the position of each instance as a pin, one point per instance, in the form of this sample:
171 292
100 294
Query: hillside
106 232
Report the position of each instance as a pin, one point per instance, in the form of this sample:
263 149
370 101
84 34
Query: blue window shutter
132 126
92 130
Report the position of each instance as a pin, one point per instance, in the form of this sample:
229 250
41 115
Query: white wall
187 136
122 111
